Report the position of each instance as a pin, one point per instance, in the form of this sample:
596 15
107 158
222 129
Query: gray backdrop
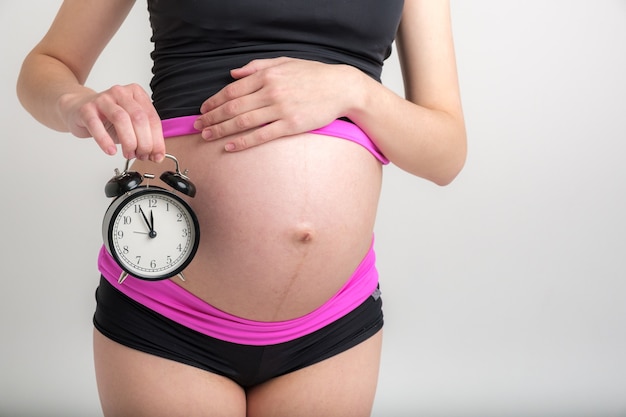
504 292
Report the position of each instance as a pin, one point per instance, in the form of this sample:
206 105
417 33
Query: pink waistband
180 126
174 302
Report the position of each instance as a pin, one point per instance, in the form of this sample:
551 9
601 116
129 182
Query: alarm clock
150 231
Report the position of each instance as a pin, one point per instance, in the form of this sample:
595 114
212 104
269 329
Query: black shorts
131 324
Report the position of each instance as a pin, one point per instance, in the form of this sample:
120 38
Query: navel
304 233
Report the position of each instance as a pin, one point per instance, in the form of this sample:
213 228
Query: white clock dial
152 233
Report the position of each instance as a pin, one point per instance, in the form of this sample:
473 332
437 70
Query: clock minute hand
153 232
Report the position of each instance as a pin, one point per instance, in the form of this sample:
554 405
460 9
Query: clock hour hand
152 233
145 218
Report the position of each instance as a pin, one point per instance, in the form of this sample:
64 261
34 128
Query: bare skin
286 216
283 225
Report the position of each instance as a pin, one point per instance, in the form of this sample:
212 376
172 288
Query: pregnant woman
277 110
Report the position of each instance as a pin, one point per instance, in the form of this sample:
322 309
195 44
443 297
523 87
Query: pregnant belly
283 225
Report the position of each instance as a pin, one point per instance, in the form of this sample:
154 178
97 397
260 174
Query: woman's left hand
274 98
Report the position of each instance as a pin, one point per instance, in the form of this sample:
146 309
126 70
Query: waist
174 302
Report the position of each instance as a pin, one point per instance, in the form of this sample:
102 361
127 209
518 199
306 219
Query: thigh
343 385
137 384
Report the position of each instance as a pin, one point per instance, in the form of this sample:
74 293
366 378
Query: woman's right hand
121 115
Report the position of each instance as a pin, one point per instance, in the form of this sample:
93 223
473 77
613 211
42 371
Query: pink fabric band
180 126
174 302
350 131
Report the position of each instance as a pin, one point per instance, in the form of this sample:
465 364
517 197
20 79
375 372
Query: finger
146 124
256 65
156 129
92 121
257 137
142 133
240 123
158 149
232 91
235 116
121 123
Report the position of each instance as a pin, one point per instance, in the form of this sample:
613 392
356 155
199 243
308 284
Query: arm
423 133
51 84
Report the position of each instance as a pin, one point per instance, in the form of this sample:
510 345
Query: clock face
152 233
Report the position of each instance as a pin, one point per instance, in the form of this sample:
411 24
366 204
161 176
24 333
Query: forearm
427 142
42 83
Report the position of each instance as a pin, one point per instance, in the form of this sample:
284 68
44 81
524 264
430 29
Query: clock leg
122 277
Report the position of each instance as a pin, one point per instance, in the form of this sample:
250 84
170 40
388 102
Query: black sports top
197 42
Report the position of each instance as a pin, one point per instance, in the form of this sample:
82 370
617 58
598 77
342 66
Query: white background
504 292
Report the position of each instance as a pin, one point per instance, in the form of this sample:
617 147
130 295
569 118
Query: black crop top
197 42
